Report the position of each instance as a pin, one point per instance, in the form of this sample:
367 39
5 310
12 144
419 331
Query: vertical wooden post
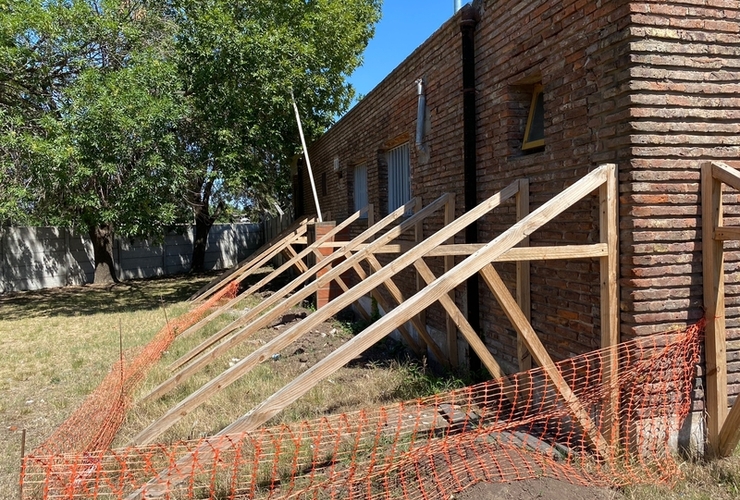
418 238
608 267
449 263
523 297
714 305
320 229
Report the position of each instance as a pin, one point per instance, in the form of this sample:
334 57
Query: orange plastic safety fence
522 427
94 424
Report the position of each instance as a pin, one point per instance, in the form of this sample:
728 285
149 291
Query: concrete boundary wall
33 258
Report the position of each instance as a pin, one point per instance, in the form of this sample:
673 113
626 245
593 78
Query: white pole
305 153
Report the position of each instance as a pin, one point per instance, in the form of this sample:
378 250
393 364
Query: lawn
59 344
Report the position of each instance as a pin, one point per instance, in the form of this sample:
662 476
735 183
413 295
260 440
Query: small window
360 188
534 133
399 177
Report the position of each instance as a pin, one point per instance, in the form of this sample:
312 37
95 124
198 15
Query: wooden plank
449 263
221 280
420 327
422 317
316 318
714 306
523 287
180 471
593 250
724 233
458 319
729 435
293 257
543 359
254 288
609 270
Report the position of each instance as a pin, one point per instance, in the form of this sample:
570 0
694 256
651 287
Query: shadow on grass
130 295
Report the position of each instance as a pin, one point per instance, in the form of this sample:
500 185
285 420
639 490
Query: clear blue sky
404 26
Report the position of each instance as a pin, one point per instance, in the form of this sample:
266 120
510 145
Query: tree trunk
203 223
101 236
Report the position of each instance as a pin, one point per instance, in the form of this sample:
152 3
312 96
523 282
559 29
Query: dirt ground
543 488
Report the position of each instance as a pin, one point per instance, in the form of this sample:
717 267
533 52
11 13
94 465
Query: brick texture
651 86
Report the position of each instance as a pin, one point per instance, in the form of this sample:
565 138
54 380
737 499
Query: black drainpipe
468 21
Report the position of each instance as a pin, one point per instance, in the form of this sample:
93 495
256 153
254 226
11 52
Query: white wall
32 258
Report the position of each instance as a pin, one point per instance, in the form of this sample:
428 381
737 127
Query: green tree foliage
240 61
90 102
119 114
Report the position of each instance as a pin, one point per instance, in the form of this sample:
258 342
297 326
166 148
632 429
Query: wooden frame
244 268
723 428
438 289
293 260
282 303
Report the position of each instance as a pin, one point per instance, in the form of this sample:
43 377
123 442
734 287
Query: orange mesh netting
95 423
503 430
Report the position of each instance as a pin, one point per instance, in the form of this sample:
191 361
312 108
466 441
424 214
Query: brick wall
684 109
650 86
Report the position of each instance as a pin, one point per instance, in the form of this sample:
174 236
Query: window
360 188
534 132
399 177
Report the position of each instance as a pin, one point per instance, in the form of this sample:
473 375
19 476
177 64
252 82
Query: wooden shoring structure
264 313
723 428
479 260
294 260
273 307
294 234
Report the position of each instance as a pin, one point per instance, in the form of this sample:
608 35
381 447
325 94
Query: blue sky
404 26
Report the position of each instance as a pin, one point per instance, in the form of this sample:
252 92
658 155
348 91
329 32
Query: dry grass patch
60 343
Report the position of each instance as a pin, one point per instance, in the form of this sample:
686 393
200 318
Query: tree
90 101
239 62
115 111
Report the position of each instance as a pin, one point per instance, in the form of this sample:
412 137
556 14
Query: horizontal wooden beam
519 254
724 233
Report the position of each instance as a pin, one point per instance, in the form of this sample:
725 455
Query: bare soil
543 488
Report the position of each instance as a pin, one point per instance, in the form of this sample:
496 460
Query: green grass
59 344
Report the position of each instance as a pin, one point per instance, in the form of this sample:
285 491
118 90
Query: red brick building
651 86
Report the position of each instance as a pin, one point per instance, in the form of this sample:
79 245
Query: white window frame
399 176
360 192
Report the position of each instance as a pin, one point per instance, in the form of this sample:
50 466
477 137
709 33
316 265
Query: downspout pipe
468 22
420 113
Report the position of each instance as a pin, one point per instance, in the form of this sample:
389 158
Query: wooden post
523 287
533 343
418 238
449 263
714 305
609 268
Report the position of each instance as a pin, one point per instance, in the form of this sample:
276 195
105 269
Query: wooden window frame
527 144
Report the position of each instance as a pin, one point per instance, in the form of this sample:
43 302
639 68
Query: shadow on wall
49 257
